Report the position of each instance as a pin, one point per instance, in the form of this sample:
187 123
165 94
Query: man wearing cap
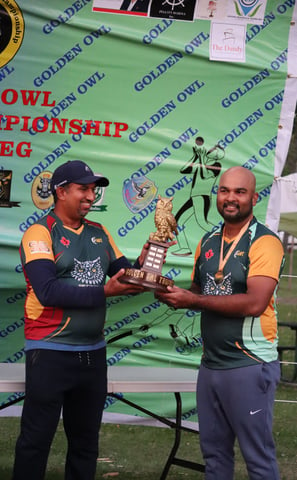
66 260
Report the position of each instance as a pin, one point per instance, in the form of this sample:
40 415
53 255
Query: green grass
287 312
139 453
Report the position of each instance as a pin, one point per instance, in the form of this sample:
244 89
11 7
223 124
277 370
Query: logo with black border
5 187
12 28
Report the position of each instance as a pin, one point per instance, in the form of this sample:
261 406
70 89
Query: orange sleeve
266 257
37 244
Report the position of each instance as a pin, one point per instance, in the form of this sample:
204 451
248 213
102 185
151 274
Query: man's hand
114 287
177 297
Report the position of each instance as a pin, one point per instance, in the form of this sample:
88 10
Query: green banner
140 101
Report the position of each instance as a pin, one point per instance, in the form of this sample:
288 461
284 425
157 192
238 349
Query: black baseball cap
76 171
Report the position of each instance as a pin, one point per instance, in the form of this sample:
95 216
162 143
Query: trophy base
150 280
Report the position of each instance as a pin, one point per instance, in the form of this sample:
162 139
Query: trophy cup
150 273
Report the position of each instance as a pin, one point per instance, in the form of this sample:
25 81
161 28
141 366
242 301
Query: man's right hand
115 287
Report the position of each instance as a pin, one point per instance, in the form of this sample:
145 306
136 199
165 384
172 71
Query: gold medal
219 276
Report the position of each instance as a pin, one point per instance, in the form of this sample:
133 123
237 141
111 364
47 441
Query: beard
238 215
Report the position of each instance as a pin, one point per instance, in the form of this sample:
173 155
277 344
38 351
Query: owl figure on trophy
164 221
150 273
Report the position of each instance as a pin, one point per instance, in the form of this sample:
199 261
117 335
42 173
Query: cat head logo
12 28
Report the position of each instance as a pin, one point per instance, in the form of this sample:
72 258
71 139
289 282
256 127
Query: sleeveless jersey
231 342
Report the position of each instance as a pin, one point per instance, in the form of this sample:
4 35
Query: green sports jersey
82 258
231 342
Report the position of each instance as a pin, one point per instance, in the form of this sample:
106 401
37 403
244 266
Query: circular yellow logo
41 191
12 29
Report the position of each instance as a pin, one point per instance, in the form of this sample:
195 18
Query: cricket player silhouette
205 167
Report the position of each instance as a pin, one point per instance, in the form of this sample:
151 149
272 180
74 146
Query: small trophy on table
150 274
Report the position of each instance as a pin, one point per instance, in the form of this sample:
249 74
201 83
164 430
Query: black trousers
75 384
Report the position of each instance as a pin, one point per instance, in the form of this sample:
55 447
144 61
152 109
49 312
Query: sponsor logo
12 30
96 241
5 187
247 7
139 193
41 191
253 412
175 9
38 247
97 205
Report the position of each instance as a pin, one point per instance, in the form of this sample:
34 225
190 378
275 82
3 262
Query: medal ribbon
223 261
